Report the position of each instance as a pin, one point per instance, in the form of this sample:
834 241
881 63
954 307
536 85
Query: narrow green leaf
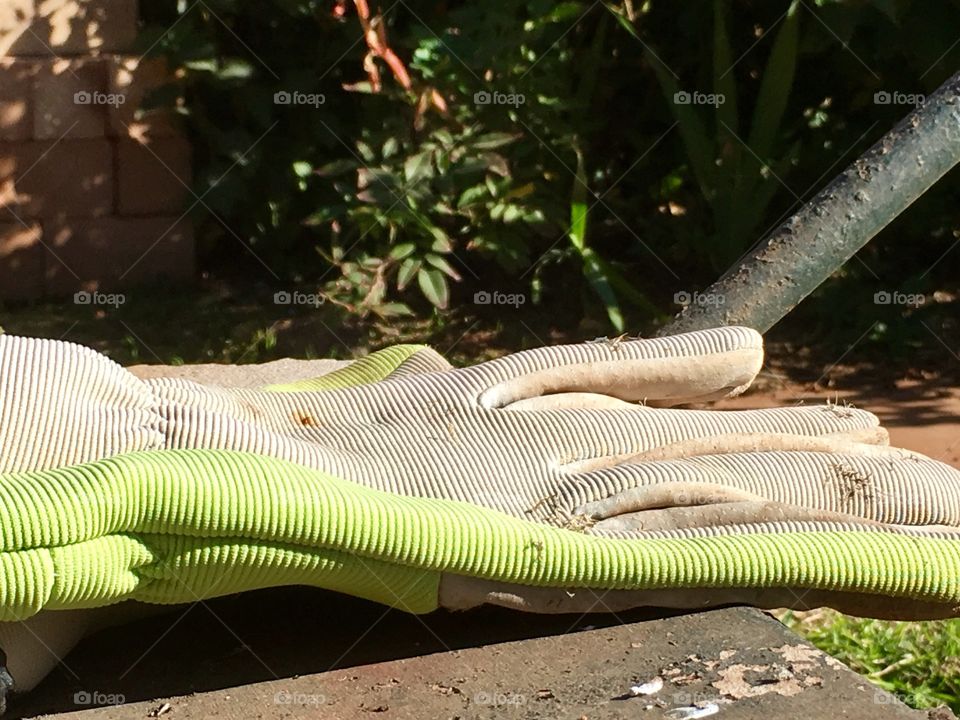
622 19
441 241
234 69
203 65
472 195
364 86
776 84
700 148
366 152
393 309
433 285
724 81
592 268
601 285
336 167
565 12
418 167
399 252
441 263
408 269
578 205
390 147
626 288
491 141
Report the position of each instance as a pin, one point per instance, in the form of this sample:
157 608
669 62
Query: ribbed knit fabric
62 404
175 526
379 477
395 361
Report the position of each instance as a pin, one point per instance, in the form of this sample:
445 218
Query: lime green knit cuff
181 525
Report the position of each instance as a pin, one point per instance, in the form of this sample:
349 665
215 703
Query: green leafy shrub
562 152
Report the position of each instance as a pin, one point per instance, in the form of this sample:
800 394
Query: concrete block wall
92 191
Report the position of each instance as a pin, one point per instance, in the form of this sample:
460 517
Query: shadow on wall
93 191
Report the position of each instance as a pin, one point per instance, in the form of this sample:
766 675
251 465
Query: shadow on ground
271 634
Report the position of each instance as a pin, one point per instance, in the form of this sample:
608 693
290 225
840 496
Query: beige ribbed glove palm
562 435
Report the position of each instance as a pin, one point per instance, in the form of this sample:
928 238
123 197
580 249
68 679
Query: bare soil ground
921 413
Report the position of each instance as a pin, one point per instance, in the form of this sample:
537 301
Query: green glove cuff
371 368
180 525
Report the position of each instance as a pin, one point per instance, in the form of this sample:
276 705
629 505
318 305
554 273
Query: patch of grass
917 661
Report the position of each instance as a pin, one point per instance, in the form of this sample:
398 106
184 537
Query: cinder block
46 179
70 99
16 98
153 177
16 19
21 261
74 27
8 190
133 78
113 254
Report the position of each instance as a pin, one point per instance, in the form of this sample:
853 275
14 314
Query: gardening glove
578 437
553 435
546 480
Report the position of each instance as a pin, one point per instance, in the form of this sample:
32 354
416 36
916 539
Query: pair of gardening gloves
561 479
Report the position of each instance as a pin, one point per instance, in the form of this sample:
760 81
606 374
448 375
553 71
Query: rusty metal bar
826 232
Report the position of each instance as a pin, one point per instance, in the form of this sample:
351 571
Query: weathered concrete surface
391 665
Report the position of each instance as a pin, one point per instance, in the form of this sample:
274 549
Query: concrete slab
300 653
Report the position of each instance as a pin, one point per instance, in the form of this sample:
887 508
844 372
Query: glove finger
589 439
911 490
865 441
720 514
570 401
671 370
